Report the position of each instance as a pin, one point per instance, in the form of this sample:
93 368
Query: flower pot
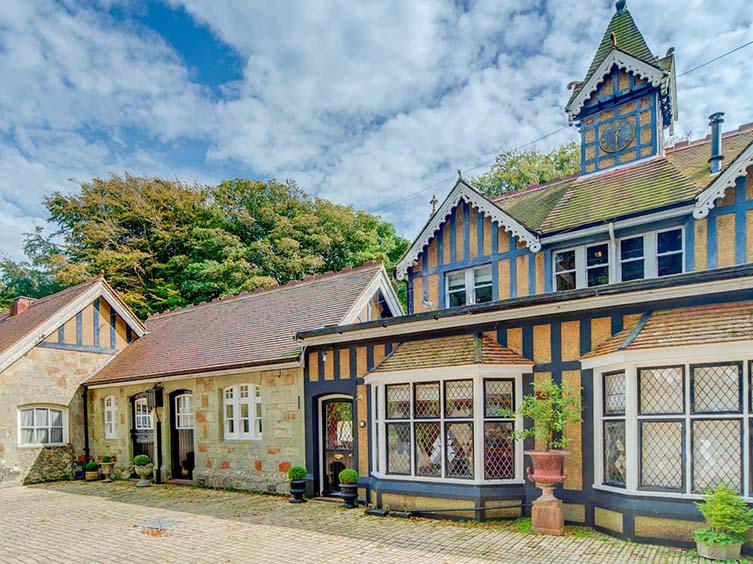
79 474
143 472
349 494
547 466
297 490
107 470
92 475
719 551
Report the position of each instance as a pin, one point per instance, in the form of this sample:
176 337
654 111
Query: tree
516 170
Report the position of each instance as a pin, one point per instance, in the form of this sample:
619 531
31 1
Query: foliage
141 460
165 244
348 476
517 170
92 466
106 458
727 515
297 473
551 406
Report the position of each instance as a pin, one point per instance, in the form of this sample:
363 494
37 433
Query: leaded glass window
717 454
662 390
717 388
662 460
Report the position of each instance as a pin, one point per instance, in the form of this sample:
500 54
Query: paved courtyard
96 522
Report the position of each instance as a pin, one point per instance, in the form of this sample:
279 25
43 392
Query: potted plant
297 476
92 470
728 519
108 462
142 464
348 487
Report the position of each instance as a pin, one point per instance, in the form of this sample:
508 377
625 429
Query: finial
620 5
434 202
613 36
460 174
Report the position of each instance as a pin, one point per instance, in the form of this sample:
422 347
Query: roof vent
20 305
715 121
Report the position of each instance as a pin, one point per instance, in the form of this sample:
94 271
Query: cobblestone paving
119 523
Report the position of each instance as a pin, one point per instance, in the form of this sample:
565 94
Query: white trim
380 282
651 253
712 352
464 192
48 406
254 402
654 75
706 200
186 413
112 411
458 373
581 267
469 283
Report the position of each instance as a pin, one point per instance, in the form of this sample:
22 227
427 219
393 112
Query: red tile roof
239 331
14 328
718 323
458 350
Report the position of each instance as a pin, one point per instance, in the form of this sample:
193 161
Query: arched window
241 412
42 425
111 417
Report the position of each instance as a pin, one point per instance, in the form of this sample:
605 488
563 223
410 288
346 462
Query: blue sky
359 102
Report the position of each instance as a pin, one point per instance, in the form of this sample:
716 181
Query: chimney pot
20 305
715 162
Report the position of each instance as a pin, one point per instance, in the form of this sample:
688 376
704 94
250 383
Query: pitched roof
457 350
677 177
14 328
717 323
240 331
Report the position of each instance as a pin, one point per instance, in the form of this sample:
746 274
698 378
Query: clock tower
626 100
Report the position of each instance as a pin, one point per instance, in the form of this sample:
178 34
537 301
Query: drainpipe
612 255
715 162
85 396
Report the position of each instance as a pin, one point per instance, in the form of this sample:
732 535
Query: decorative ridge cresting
706 200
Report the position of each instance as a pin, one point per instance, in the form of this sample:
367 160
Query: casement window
110 410
677 429
241 412
184 411
581 267
450 429
142 415
649 255
467 287
42 426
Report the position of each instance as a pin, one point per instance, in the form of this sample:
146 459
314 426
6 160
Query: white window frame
237 396
142 415
476 373
650 253
470 283
184 413
581 264
38 408
110 416
680 356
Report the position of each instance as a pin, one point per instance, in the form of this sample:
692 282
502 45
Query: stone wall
43 376
259 465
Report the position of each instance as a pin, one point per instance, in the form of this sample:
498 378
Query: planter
719 551
92 475
78 474
349 494
297 490
547 466
143 472
107 470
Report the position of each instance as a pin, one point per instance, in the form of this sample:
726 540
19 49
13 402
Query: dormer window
652 254
471 286
581 267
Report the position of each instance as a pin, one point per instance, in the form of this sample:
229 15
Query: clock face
617 135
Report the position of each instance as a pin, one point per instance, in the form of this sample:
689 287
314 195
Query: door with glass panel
181 435
142 430
336 442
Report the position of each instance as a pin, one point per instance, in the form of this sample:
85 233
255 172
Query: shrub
107 458
728 517
297 473
141 460
348 476
91 466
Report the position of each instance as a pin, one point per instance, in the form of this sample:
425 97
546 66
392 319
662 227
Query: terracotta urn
547 466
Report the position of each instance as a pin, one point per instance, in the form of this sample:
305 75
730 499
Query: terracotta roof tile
458 350
239 331
717 323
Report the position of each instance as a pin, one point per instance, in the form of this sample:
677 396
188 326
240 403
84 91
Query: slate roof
662 182
717 323
457 350
239 331
14 329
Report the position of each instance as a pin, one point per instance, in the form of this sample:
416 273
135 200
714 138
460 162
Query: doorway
181 435
142 429
336 441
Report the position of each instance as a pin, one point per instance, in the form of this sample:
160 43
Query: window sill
460 481
648 493
51 445
233 441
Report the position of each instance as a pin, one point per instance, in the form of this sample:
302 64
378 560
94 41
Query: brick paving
72 522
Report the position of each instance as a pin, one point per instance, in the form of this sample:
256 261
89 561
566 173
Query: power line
546 135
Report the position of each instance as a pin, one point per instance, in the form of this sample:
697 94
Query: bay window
241 412
42 426
467 287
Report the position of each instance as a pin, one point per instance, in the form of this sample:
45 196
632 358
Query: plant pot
92 475
143 472
547 466
107 470
297 490
78 474
719 551
349 494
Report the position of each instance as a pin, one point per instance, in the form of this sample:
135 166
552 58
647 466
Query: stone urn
143 472
547 515
107 470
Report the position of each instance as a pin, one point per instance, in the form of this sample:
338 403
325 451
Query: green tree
516 170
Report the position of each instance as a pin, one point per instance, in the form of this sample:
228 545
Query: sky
363 103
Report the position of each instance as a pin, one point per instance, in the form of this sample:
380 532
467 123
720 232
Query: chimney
20 305
715 121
